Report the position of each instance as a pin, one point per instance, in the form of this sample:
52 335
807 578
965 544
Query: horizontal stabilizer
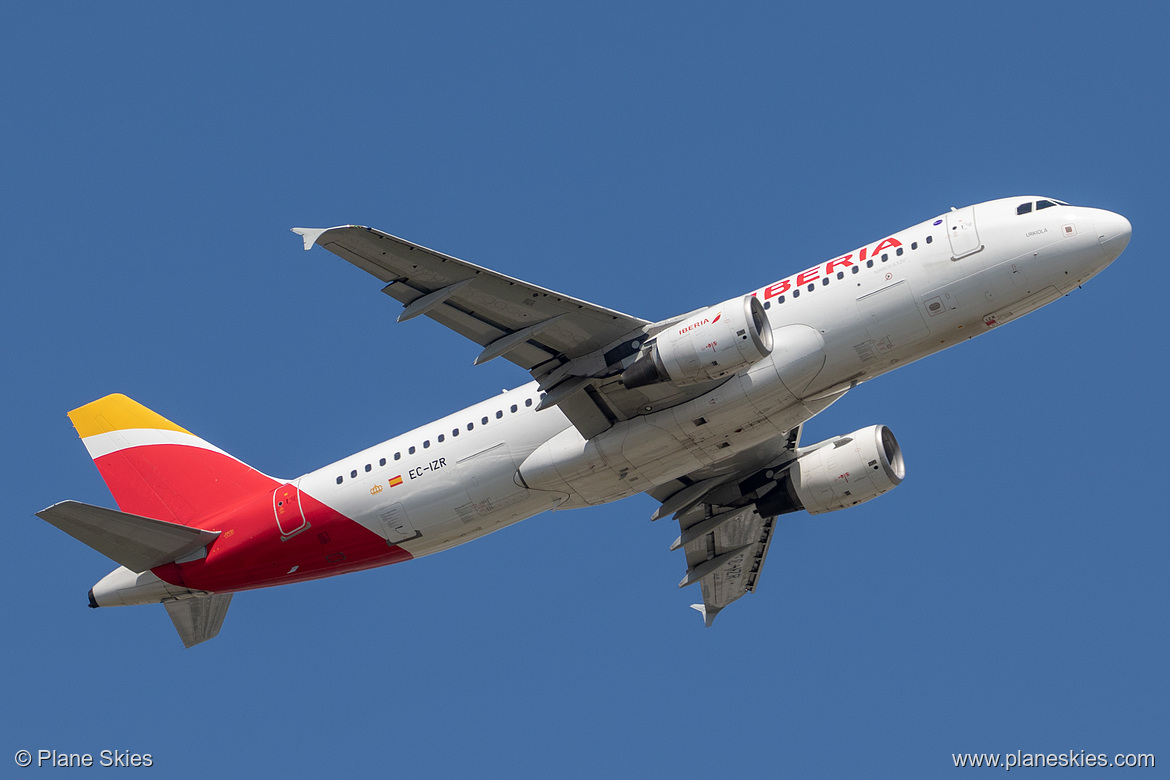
138 543
198 620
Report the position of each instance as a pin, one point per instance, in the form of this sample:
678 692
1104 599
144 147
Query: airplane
702 411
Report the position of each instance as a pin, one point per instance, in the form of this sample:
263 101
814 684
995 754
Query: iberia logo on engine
700 323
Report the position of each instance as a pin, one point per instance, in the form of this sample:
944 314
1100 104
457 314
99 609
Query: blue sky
653 158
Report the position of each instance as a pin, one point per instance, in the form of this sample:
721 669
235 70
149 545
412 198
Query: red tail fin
157 469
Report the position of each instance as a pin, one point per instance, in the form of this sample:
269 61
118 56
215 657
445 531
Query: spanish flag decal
396 481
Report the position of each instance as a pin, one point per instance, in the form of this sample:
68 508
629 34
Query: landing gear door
962 233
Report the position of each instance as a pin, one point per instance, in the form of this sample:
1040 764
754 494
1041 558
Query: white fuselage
835 325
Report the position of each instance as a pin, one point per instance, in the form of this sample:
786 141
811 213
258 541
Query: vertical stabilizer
157 469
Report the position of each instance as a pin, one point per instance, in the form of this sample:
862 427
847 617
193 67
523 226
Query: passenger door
286 506
962 233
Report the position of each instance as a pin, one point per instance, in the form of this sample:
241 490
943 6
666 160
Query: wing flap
138 543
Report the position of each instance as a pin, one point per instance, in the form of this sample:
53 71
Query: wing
723 535
726 561
576 350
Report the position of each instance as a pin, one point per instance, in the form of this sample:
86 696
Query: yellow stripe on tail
116 412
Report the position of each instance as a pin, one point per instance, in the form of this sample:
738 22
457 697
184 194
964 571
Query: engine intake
712 344
839 473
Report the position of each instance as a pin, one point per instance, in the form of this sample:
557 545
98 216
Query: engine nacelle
712 344
838 473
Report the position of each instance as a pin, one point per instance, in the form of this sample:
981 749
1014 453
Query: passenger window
440 438
382 462
767 304
914 245
471 426
528 402
483 421
499 414
410 451
825 281
840 274
340 480
856 269
369 468
515 408
1044 204
796 293
353 474
454 431
1024 208
929 239
869 263
780 299
812 287
426 444
885 256
899 253
398 456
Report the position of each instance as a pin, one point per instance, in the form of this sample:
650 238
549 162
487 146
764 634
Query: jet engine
711 344
838 473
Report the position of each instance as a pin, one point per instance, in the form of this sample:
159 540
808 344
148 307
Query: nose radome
1113 231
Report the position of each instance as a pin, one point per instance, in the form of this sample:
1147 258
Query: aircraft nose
1113 231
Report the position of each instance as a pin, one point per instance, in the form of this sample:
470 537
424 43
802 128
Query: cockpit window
1047 203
